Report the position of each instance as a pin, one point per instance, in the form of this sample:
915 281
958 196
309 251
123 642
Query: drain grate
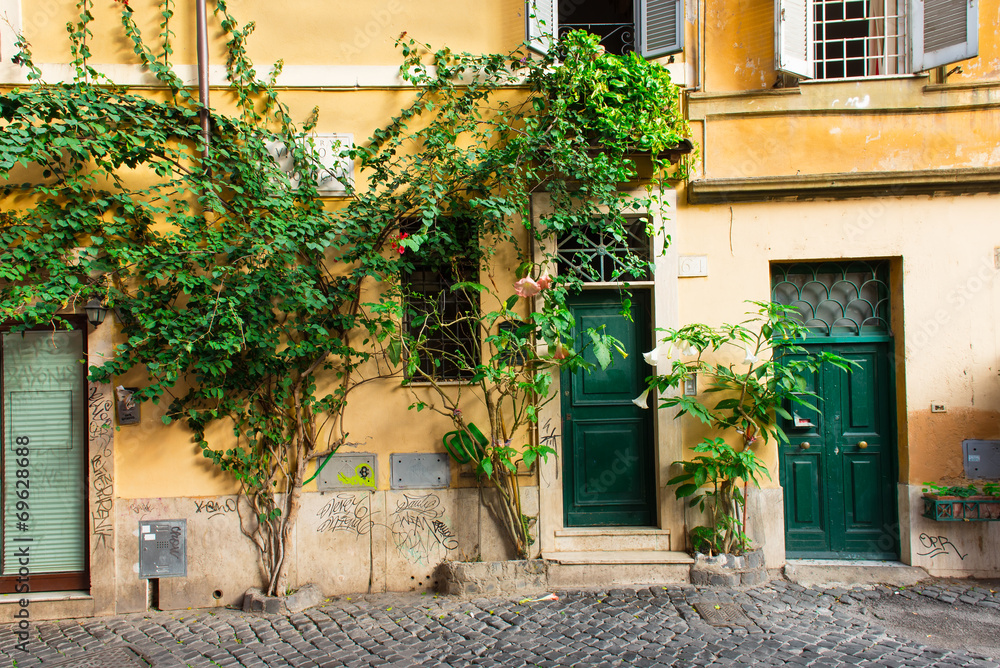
722 613
118 657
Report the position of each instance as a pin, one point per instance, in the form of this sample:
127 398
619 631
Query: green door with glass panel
838 470
44 497
607 459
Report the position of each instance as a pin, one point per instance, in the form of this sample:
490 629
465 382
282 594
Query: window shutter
542 22
661 27
943 32
794 37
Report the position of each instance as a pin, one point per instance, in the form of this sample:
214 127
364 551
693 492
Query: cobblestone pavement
657 626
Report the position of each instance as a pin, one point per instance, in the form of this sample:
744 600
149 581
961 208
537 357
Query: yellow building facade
830 161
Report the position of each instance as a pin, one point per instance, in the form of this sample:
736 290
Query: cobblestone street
658 626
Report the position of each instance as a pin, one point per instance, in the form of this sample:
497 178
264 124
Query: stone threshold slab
626 557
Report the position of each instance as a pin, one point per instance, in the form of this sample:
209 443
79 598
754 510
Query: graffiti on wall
938 546
346 512
418 529
99 410
548 436
214 508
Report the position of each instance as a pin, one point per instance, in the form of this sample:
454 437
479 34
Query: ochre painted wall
949 309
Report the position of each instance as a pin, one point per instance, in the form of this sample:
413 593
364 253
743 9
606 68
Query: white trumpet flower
653 356
689 349
642 401
750 357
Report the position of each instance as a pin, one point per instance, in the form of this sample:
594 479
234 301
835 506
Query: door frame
892 438
666 431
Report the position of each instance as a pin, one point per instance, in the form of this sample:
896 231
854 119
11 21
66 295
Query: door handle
862 444
804 445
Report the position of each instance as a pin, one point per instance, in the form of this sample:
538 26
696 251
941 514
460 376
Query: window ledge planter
942 508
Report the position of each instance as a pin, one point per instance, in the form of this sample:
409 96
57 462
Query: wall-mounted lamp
96 312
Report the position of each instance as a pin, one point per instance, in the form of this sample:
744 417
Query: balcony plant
947 503
754 393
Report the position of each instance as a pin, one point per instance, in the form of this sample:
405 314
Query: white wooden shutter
542 21
942 32
661 27
794 37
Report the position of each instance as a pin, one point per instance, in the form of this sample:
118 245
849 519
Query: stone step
624 568
593 539
619 557
817 572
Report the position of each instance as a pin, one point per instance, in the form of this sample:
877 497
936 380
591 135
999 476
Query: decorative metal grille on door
596 256
848 298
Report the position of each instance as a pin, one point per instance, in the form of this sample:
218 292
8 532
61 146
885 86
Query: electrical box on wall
162 549
981 459
420 471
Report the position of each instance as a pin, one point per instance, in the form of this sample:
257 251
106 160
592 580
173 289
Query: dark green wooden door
607 440
838 471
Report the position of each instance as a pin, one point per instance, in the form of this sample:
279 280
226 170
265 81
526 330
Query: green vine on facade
246 300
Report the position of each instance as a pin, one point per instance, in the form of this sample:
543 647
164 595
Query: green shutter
43 396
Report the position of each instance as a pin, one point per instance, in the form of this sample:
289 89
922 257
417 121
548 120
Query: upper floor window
612 20
651 28
834 39
859 38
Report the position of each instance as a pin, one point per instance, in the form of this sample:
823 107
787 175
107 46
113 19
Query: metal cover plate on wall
356 472
421 471
162 549
981 459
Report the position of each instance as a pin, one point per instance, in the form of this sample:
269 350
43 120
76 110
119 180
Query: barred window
443 318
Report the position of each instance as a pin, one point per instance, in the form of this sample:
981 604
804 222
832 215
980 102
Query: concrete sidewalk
779 623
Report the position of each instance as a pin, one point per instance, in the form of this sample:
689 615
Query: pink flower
526 287
545 282
560 352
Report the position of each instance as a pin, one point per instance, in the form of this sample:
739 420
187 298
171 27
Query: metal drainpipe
203 74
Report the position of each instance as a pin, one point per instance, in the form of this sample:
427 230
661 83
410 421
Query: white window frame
954 36
659 25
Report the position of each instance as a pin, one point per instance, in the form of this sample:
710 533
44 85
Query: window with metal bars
441 317
849 298
613 22
596 256
859 38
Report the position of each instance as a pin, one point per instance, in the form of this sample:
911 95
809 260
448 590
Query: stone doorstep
619 557
624 568
820 572
611 540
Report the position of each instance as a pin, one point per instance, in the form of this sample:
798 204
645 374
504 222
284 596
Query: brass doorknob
862 444
804 445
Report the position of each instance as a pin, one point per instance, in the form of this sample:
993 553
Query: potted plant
962 503
754 394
